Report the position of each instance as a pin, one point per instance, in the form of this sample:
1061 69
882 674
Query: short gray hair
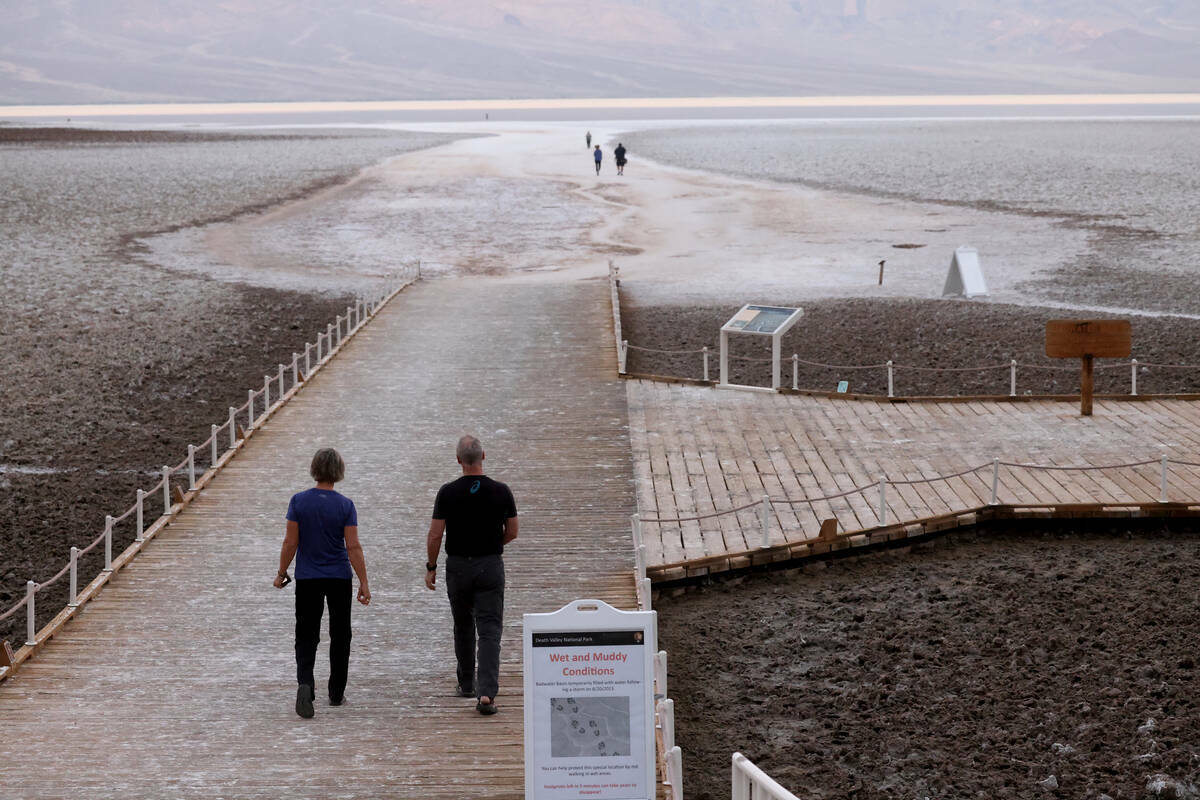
470 450
327 466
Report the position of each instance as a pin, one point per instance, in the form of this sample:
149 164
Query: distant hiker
322 535
599 157
478 517
588 138
619 155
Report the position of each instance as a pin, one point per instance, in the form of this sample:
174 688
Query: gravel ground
1003 665
921 333
111 364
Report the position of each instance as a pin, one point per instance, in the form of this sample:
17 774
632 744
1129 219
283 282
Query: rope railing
1133 365
260 403
879 501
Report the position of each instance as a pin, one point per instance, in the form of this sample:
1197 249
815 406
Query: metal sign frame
579 647
737 324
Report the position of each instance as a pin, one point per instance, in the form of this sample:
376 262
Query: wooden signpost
1088 340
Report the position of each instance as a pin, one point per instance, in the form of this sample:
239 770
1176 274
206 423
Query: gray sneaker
304 701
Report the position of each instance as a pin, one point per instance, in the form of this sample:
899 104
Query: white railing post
141 518
30 623
307 359
795 371
250 408
675 772
166 482
281 369
766 521
74 602
1012 378
1133 377
295 369
660 674
337 324
705 351
328 339
995 480
646 590
623 355
641 561
232 427
891 379
191 467
666 722
418 269
108 526
266 393
741 782
320 336
1162 496
882 500
212 450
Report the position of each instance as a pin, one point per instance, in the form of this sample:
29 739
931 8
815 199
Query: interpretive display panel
589 703
773 321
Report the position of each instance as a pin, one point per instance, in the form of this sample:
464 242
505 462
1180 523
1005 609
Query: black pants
311 596
476 590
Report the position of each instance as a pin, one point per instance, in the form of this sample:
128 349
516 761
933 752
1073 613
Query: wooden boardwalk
178 681
700 450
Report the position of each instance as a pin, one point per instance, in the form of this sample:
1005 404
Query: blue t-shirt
322 515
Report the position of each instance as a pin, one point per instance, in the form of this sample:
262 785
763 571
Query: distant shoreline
597 103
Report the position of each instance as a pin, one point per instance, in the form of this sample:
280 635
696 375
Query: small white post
329 339
307 359
320 336
30 631
1012 378
646 589
141 523
741 784
705 351
623 355
418 269
250 408
795 371
666 722
232 427
295 369
191 467
108 525
74 603
1162 496
349 320
660 673
281 369
891 379
1133 377
641 558
166 482
635 523
212 452
766 521
337 324
995 480
266 393
882 500
675 772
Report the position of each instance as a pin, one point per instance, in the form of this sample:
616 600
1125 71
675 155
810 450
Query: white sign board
965 278
773 321
589 703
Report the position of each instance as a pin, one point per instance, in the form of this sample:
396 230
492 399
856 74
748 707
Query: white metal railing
670 756
876 495
751 783
260 404
890 368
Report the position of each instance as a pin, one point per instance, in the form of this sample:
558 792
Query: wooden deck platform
178 680
699 450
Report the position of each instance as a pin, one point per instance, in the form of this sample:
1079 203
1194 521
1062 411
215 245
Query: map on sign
760 319
589 726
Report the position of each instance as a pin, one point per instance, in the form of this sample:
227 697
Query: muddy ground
999 665
912 333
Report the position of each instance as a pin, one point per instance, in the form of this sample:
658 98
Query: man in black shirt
478 517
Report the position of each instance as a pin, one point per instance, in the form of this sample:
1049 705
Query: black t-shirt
475 508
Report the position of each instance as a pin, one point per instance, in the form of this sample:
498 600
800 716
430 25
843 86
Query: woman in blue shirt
322 535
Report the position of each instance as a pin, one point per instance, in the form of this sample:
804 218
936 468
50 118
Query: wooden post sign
1088 340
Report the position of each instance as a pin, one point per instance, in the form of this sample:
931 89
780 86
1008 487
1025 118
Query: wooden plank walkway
178 681
699 450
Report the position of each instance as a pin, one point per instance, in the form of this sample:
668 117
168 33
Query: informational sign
1087 340
589 703
772 321
965 278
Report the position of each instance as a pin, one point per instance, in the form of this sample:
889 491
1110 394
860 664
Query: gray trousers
475 586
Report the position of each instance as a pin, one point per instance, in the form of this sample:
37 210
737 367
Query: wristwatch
430 567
